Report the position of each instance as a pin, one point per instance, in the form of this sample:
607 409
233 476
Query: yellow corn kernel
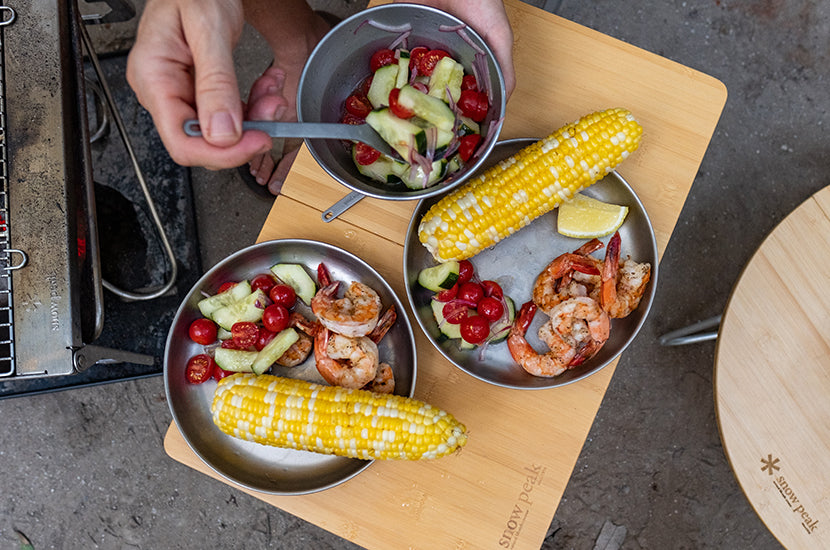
531 183
285 412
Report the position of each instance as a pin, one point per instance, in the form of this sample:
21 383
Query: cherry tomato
470 292
415 57
454 312
349 118
244 334
264 282
265 336
465 271
490 308
283 295
357 105
396 108
492 288
447 294
381 58
226 286
467 146
199 368
275 318
475 329
229 344
203 331
469 83
219 373
429 60
364 154
473 104
363 87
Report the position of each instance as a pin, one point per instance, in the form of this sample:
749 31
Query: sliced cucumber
403 69
295 276
222 334
400 134
447 329
448 74
234 360
384 169
442 137
453 164
274 350
382 83
414 177
429 108
467 126
239 291
439 277
248 309
504 326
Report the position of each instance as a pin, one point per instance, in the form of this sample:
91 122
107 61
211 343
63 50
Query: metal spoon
319 130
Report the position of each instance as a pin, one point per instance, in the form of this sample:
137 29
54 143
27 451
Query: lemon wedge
584 217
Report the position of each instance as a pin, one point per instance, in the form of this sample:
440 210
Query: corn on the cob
284 412
533 182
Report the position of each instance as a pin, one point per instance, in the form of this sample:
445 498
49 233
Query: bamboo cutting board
502 489
772 378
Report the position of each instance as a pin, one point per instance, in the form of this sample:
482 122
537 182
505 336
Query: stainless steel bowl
341 61
514 263
259 467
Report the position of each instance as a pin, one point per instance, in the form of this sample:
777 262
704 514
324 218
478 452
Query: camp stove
50 277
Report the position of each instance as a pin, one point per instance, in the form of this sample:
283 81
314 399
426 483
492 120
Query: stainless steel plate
514 263
259 467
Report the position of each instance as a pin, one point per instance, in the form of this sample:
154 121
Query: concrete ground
85 468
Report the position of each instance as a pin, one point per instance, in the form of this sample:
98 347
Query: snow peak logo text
788 494
521 507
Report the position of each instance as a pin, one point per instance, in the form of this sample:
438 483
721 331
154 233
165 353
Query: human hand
181 67
489 19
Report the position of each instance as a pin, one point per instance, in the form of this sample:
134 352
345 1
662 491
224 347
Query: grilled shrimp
301 349
384 381
355 314
345 361
622 285
570 275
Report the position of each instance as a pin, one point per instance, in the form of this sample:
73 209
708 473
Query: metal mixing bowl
341 61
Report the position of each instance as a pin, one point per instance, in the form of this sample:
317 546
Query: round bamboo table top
772 378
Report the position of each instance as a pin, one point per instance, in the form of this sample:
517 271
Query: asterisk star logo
769 464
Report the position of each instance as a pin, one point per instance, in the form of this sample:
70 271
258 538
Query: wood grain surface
503 488
772 378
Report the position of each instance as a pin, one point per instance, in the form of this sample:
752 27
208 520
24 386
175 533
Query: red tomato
448 294
364 154
470 292
492 288
474 104
226 286
381 58
465 271
415 57
490 308
469 83
454 312
199 368
275 318
396 108
244 334
475 329
283 295
203 331
220 373
265 336
467 146
230 344
359 106
263 281
349 118
429 60
363 87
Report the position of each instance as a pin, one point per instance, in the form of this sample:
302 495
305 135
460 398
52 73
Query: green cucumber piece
429 108
447 329
210 304
274 350
234 360
295 276
382 83
439 277
414 178
448 73
403 69
467 126
384 169
400 134
248 309
506 324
